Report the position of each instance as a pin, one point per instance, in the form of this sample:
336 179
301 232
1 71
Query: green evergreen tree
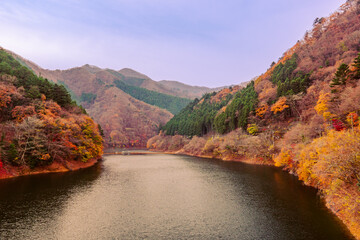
238 111
196 118
341 75
171 103
60 95
287 80
356 65
12 153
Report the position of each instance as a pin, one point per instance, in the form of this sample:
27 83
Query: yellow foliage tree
322 106
332 164
284 159
331 157
252 129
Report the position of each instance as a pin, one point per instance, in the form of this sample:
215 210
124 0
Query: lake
165 197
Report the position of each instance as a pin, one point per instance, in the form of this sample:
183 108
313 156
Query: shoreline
333 205
225 158
12 172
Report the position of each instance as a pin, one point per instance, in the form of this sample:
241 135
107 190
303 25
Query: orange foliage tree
5 98
280 105
19 113
260 112
352 119
284 159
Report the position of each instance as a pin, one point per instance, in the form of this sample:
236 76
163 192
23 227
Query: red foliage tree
337 124
2 170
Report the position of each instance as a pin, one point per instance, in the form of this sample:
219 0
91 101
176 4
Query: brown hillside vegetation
126 121
148 83
306 119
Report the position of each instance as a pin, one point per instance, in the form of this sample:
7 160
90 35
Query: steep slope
41 128
126 122
302 114
199 116
111 107
88 83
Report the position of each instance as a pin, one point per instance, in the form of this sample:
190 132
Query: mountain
41 128
302 114
173 88
128 105
127 72
126 121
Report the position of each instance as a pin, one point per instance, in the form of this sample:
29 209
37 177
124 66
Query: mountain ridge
87 84
127 72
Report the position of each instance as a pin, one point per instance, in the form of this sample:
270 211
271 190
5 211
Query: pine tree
341 75
356 65
61 95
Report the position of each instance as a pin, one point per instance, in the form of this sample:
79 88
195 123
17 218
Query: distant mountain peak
91 68
128 72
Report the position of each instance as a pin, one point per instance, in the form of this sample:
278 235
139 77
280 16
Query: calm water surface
165 197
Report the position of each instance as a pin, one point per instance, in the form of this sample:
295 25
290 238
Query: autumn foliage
37 128
279 106
332 164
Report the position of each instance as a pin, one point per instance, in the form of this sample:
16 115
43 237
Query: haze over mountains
129 105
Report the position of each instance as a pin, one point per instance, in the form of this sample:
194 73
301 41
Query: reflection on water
164 197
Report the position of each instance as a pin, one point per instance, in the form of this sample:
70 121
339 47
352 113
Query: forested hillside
128 105
302 114
168 102
126 121
40 125
199 116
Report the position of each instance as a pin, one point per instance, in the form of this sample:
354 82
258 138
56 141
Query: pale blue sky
198 42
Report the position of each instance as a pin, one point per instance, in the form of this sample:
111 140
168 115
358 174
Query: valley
300 119
129 106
